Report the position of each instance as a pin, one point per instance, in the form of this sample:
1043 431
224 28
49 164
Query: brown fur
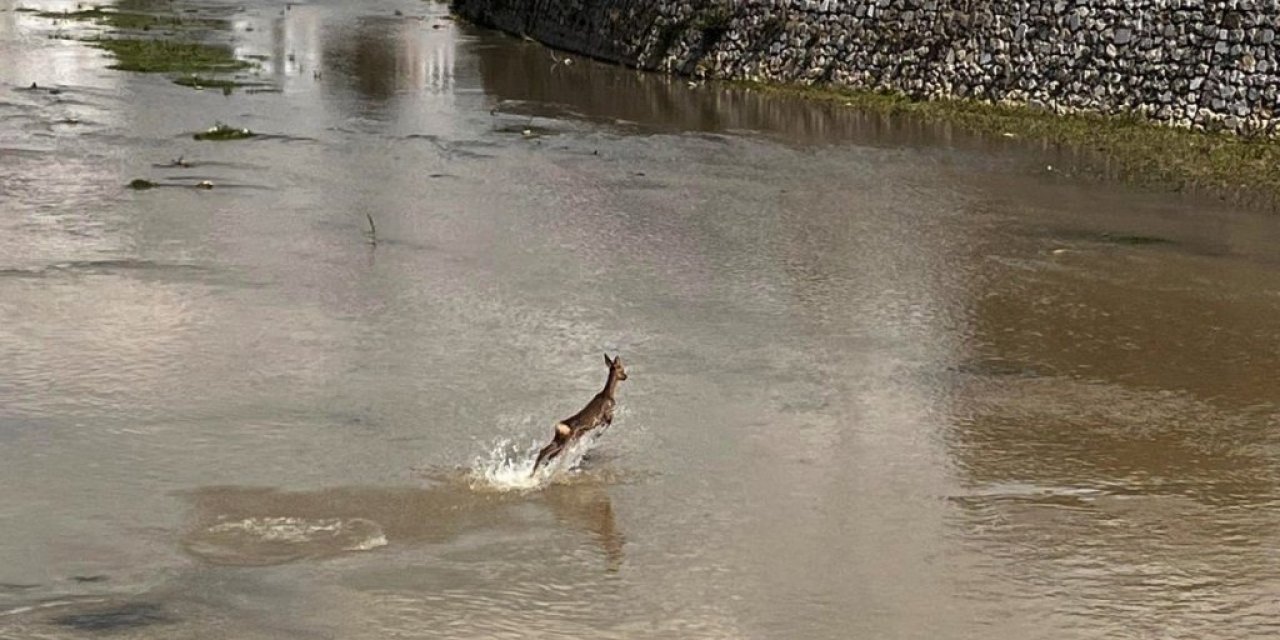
597 413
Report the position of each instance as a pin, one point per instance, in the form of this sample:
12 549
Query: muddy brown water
887 380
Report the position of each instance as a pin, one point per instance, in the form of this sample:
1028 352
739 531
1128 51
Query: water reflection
1113 430
525 77
389 56
363 64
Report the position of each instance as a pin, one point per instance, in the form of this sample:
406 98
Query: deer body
597 413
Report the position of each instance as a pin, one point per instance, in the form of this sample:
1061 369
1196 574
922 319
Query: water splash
509 467
266 540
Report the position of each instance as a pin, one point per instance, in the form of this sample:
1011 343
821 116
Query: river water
887 380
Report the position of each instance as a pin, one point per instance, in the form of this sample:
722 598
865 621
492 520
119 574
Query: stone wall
1189 63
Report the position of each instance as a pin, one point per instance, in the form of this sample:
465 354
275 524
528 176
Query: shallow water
887 379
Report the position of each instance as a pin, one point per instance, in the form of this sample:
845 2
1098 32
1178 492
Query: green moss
221 132
164 56
1241 167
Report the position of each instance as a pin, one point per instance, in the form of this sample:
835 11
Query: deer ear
607 360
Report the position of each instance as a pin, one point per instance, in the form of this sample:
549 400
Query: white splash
318 536
285 529
507 467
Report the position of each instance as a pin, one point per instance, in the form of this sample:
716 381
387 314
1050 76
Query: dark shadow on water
586 507
106 266
521 77
248 526
129 616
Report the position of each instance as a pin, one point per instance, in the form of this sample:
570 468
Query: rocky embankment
1210 64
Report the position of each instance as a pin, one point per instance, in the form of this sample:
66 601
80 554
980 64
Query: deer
597 413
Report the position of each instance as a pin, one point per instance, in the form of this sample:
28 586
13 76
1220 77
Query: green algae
174 42
149 55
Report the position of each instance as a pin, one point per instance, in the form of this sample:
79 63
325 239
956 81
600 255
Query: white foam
508 467
370 543
259 540
283 529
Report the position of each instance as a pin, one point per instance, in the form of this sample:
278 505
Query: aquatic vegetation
140 184
164 56
221 131
173 43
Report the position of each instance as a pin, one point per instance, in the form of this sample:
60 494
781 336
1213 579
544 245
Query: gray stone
1171 59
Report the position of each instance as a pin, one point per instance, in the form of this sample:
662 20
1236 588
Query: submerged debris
223 132
140 184
204 82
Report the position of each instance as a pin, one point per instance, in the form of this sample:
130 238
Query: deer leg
554 448
547 453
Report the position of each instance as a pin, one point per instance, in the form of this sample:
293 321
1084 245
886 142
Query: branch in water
373 229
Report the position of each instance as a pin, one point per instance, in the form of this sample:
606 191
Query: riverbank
1243 169
1161 98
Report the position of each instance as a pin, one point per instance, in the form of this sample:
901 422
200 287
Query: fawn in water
598 412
